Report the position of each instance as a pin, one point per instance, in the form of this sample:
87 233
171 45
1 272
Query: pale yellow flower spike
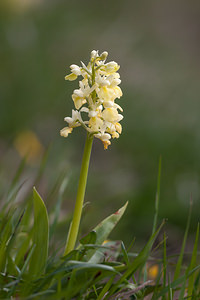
96 97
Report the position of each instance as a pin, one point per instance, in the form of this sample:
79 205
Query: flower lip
65 131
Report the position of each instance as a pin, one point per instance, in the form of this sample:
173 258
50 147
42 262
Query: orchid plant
97 112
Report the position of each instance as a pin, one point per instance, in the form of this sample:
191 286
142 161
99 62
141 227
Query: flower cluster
94 101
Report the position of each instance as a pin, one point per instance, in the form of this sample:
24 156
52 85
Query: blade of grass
106 288
22 271
22 247
125 254
18 173
180 259
40 294
138 262
95 290
157 286
193 264
164 264
170 294
157 196
5 236
58 205
42 166
135 291
12 194
83 276
23 239
182 290
177 282
196 288
13 235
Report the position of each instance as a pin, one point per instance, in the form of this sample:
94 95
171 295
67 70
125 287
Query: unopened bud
104 55
94 54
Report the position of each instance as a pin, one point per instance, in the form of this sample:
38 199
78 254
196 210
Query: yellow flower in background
94 101
153 271
28 145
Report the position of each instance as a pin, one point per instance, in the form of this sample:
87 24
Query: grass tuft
96 269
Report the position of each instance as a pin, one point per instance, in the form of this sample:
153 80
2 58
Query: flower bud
94 54
104 55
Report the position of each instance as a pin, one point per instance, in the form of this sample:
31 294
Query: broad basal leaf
40 236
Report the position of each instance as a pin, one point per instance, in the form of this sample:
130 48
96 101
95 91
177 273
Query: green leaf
177 282
90 238
18 172
170 293
21 247
106 226
164 263
84 276
40 236
102 232
157 197
5 236
138 262
16 282
106 288
57 207
196 288
193 264
180 259
125 254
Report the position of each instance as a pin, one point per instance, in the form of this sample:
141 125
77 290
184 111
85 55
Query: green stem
74 227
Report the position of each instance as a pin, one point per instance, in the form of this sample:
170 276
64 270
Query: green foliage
102 232
40 237
97 268
192 265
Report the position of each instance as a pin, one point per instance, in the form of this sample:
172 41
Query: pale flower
80 95
111 67
94 54
107 93
105 138
95 124
96 97
65 131
75 72
71 77
75 69
75 120
111 115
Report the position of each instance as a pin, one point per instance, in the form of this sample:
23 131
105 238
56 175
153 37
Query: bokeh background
157 44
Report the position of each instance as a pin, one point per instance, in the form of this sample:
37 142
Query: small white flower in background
95 99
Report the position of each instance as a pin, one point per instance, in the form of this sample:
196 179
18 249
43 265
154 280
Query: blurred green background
157 46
